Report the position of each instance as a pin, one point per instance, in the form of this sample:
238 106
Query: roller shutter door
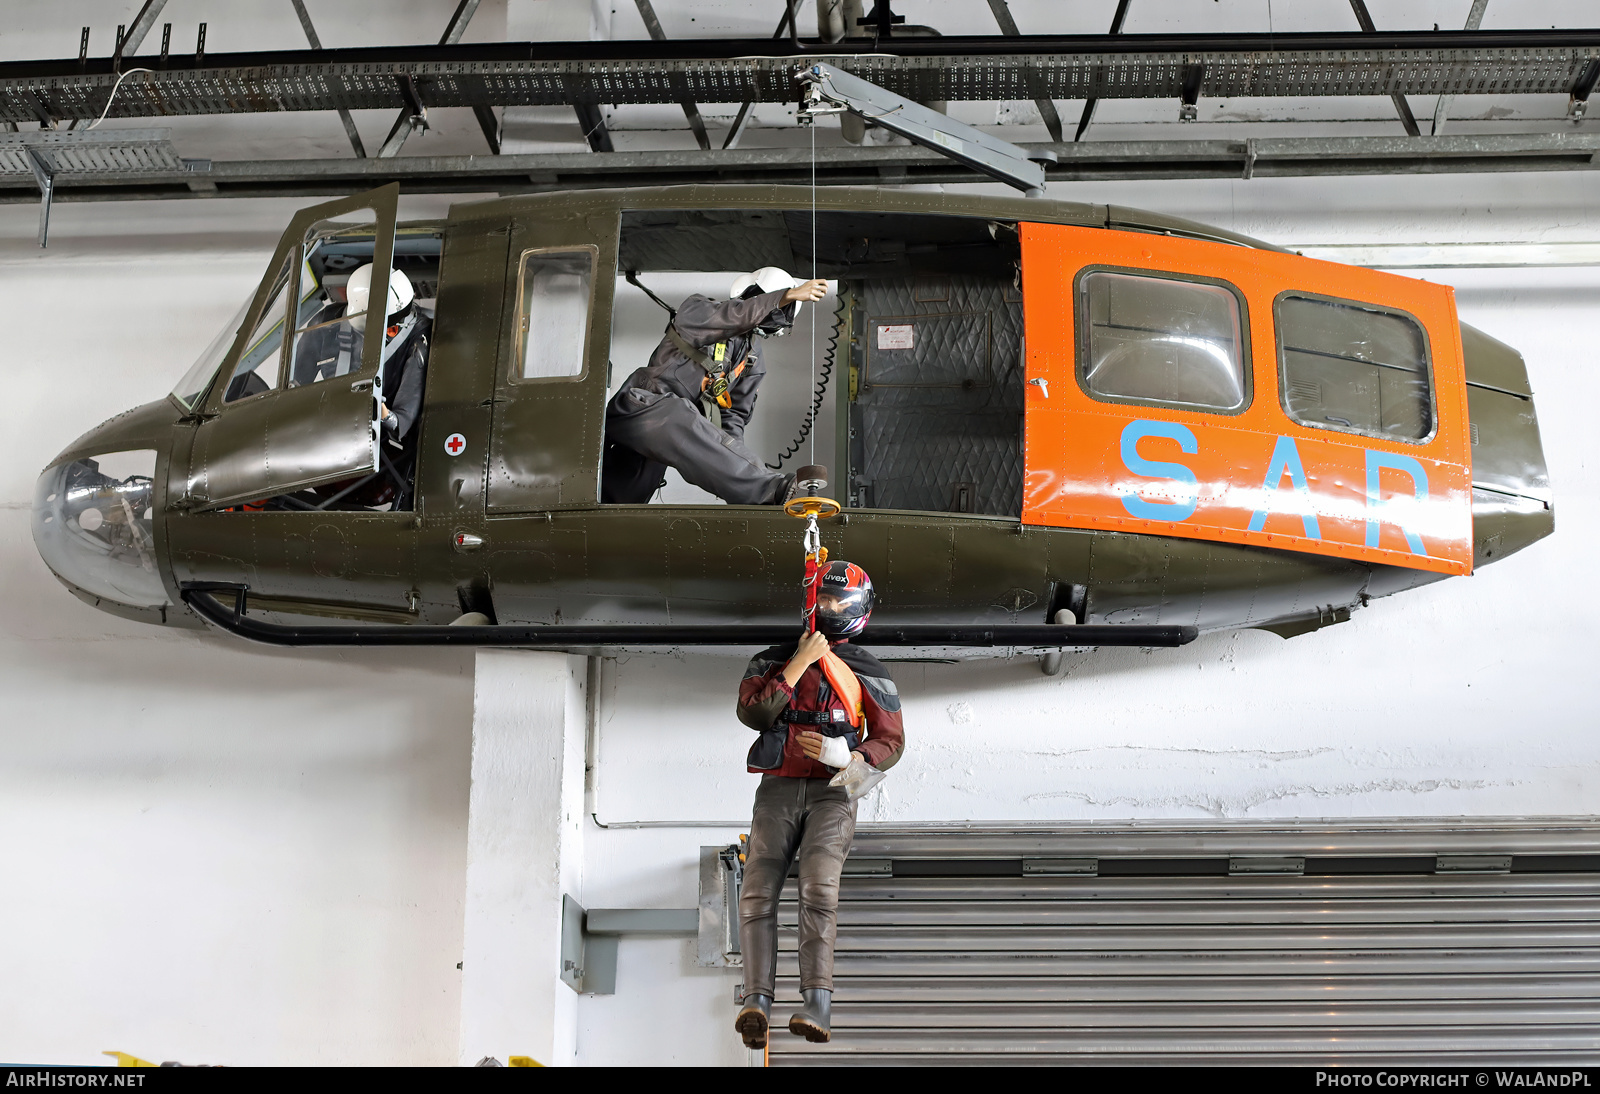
1381 943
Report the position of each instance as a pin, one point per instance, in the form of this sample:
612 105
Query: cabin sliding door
550 383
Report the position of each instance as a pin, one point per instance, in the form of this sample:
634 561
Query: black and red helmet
844 600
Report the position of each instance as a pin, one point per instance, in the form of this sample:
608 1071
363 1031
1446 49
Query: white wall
213 852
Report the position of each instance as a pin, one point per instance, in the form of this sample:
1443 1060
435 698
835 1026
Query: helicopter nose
1512 503
93 526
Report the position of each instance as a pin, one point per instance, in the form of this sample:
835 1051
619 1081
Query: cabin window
1160 340
1354 367
553 292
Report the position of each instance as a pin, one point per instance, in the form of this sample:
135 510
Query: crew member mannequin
800 706
689 406
333 348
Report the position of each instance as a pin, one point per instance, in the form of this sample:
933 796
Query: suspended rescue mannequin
689 406
829 717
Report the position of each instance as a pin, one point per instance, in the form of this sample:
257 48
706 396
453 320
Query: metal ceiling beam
987 68
1401 107
742 119
414 114
1441 108
691 112
846 165
1090 103
344 115
143 23
1046 105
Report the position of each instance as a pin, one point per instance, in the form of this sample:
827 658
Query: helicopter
1058 424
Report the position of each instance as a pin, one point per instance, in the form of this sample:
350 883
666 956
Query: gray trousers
669 431
808 818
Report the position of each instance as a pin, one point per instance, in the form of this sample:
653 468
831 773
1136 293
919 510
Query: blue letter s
1183 503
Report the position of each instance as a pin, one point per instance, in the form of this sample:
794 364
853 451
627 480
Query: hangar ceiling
722 83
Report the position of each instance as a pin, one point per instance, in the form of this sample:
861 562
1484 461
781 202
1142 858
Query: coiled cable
817 392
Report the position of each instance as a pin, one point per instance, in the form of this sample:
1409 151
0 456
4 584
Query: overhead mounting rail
202 597
509 175
732 70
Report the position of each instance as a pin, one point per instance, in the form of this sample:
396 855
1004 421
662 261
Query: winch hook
812 478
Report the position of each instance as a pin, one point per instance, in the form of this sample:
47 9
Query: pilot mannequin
689 406
814 763
333 348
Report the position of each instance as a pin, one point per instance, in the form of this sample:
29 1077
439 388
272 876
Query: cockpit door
272 423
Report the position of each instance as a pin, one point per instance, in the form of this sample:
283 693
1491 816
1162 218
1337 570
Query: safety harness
715 386
715 392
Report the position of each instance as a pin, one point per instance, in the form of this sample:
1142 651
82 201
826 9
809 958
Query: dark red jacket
764 696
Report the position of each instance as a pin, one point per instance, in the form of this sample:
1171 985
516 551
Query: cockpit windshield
198 378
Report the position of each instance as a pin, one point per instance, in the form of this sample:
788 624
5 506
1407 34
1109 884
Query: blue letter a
1286 457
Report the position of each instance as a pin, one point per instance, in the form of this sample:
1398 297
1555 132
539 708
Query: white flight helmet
358 291
767 279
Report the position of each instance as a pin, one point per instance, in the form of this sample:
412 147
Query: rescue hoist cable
811 432
806 435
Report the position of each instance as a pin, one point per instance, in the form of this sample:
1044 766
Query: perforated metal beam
759 70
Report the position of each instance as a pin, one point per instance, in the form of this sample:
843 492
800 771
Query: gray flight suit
660 417
330 349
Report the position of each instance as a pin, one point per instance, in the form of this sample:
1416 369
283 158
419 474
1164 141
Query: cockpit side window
327 341
1354 367
195 382
259 364
1161 340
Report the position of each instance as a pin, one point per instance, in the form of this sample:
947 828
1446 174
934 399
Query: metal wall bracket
721 873
81 154
44 174
589 940
1060 867
1578 100
1472 864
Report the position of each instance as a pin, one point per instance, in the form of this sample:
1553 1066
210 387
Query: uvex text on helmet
844 599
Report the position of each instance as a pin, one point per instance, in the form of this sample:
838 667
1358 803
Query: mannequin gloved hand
828 750
856 775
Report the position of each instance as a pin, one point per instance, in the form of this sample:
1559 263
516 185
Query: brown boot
754 1018
813 1020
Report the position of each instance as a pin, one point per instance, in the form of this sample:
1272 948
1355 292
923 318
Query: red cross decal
455 444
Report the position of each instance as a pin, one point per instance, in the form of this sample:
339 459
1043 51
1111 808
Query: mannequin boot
754 1018
811 1021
